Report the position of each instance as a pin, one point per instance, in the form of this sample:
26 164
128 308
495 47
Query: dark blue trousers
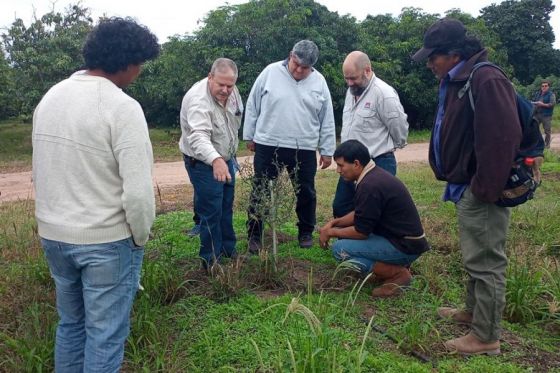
302 167
214 206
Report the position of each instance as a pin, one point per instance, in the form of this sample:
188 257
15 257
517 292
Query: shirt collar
370 166
455 70
358 98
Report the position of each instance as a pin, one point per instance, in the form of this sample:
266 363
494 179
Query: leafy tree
253 35
390 42
525 31
7 102
260 32
164 81
45 52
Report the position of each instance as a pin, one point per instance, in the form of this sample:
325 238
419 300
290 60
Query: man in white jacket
289 117
94 204
210 118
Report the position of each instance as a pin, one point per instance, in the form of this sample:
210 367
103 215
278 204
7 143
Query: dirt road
14 186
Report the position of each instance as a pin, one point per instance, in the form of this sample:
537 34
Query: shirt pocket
218 126
317 101
366 120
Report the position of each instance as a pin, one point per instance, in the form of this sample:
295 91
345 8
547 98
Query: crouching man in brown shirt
383 234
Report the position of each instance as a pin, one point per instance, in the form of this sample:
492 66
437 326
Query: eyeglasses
544 85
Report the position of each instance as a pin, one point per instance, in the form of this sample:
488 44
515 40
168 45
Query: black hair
468 48
115 43
352 150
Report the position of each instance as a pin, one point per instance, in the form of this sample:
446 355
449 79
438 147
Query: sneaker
255 245
194 231
305 241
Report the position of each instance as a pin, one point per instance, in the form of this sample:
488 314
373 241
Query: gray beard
357 91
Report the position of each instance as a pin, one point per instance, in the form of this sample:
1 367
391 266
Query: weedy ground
308 316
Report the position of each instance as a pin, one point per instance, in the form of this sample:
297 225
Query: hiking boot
454 314
305 241
194 231
394 277
255 245
471 345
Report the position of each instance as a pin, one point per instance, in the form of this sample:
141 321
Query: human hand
325 161
324 236
221 171
251 145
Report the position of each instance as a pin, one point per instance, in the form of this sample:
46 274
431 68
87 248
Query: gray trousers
482 234
547 126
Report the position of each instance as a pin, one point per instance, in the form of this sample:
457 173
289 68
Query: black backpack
524 177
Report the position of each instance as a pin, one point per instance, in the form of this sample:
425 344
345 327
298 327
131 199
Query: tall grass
184 320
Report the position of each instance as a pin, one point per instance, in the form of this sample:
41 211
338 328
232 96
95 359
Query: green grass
15 143
16 149
415 136
245 318
15 146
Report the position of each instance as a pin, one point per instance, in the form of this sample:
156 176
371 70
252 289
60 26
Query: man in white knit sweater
92 164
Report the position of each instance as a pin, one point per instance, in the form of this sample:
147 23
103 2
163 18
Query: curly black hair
115 43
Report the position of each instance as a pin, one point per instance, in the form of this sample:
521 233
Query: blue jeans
195 217
365 253
343 202
214 206
95 288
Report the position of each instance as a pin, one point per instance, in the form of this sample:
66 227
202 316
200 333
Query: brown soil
172 175
255 275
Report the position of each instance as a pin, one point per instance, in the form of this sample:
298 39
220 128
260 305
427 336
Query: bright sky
170 17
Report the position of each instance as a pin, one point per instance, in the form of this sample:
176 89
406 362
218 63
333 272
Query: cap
445 33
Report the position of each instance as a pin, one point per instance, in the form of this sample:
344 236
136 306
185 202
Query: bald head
357 72
358 60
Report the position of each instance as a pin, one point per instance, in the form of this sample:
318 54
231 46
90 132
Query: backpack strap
467 87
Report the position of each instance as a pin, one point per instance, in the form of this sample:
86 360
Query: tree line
517 34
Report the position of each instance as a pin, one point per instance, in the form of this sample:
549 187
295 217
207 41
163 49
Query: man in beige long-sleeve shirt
210 118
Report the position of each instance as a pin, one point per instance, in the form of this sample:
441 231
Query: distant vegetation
517 34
